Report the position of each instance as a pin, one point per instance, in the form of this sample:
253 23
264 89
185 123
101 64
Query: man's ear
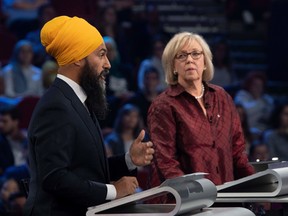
79 63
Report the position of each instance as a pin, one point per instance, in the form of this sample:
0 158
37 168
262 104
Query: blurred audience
16 202
45 13
146 26
119 75
13 141
257 103
244 123
248 11
127 126
117 88
259 152
276 138
144 96
21 15
21 77
2 84
9 189
109 25
154 61
49 73
221 60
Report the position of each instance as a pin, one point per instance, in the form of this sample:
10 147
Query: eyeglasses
183 55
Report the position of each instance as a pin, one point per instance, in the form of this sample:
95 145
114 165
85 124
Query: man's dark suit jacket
67 159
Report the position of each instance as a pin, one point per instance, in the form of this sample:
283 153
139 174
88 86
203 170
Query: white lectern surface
191 192
237 211
268 183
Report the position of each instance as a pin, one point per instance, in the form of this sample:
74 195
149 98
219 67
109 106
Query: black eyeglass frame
182 56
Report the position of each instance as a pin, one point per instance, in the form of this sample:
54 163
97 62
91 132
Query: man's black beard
96 94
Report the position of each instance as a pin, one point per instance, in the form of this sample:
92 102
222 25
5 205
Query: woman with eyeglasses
193 124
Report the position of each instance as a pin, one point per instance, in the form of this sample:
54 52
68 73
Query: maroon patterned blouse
187 141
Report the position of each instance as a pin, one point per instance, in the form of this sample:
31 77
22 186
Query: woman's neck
195 89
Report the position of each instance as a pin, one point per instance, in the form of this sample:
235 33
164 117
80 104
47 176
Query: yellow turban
69 39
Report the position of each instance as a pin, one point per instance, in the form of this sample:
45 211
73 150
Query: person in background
119 75
68 164
111 26
147 28
276 138
249 137
20 76
194 125
17 202
221 60
153 61
8 189
144 97
13 141
127 126
118 88
21 15
259 151
257 103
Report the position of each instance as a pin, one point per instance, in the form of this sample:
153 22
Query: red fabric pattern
187 141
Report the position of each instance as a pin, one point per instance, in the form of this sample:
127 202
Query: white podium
193 195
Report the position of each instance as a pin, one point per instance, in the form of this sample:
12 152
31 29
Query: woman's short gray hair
175 45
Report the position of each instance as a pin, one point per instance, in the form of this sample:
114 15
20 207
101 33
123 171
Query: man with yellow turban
69 168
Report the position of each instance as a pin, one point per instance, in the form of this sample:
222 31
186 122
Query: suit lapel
93 128
103 147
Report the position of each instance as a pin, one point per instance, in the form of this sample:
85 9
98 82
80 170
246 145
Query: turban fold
69 39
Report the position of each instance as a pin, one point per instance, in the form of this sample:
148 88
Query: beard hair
94 87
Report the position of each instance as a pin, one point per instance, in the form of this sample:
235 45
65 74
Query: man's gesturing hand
141 153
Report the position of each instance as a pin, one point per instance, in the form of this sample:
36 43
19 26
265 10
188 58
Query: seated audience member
127 126
221 60
109 25
45 13
153 61
257 103
276 138
144 96
13 141
259 151
194 125
8 189
21 77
